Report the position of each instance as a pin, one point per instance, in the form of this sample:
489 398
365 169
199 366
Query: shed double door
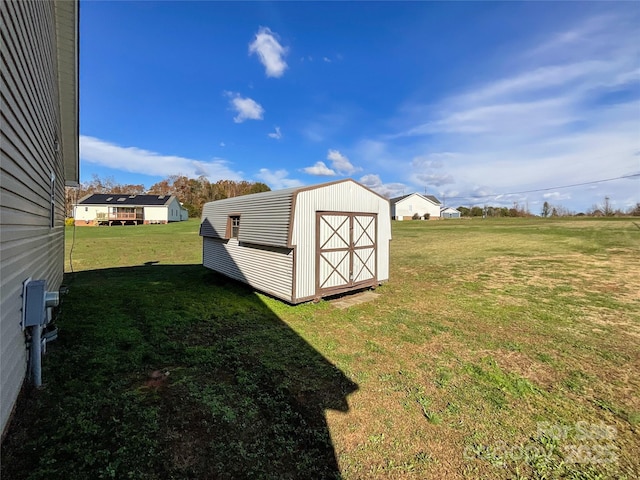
346 251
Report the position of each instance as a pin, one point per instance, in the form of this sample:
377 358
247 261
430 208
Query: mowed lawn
499 349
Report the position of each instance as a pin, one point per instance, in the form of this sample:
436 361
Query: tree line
603 209
193 193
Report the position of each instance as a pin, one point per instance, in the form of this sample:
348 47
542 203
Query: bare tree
545 209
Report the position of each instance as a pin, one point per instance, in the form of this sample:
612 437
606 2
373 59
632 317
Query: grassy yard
499 349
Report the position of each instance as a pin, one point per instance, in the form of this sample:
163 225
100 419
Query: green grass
503 348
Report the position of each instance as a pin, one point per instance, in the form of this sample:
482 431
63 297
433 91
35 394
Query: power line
547 189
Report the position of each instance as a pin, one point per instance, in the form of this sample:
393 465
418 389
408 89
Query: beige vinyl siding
337 197
88 213
156 214
264 217
30 127
266 268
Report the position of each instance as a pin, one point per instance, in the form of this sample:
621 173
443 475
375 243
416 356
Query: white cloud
222 144
556 196
319 169
340 163
137 160
277 179
270 52
326 59
276 134
388 190
246 108
564 111
437 180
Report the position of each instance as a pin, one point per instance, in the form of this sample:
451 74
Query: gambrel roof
266 217
124 199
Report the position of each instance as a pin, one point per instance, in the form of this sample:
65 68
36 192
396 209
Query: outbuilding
449 212
300 243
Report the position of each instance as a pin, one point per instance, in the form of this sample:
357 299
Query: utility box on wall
36 301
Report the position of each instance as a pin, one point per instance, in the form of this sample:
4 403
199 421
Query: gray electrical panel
34 305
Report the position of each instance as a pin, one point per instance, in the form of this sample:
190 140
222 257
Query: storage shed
300 243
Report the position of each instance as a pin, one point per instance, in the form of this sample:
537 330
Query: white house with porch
121 209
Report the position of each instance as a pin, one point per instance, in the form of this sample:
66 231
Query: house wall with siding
266 268
156 214
338 197
173 210
407 207
88 213
34 142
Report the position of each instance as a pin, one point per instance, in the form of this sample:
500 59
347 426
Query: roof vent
121 199
132 196
160 197
109 199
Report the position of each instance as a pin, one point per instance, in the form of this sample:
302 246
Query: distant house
39 138
449 212
408 206
109 208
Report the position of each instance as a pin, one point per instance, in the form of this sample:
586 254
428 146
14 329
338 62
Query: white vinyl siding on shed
33 148
266 268
276 248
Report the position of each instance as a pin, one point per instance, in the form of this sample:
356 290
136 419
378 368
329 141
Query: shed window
235 225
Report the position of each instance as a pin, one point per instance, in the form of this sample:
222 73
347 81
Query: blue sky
466 101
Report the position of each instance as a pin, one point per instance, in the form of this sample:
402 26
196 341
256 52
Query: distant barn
301 243
449 212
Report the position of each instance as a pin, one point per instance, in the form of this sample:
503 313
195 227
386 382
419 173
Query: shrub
415 216
69 222
427 216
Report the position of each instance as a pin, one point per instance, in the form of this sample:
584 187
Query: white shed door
346 251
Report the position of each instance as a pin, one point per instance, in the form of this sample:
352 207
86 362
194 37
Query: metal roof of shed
265 218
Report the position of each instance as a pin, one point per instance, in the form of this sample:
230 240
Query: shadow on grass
174 371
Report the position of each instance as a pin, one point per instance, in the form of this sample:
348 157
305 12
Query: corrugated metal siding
338 197
268 269
29 129
264 217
